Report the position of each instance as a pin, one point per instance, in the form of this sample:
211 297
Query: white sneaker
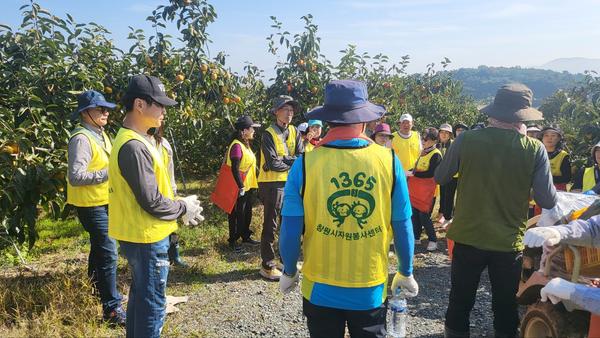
432 246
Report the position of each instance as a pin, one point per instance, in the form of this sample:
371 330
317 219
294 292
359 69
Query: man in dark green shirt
497 166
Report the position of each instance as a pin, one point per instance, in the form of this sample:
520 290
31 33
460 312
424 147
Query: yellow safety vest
347 215
278 176
308 147
247 165
589 179
127 221
95 194
556 162
423 165
164 155
407 149
424 161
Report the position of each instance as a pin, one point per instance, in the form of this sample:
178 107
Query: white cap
406 117
533 128
302 127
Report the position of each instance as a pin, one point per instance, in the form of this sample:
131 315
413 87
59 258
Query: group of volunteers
338 199
124 190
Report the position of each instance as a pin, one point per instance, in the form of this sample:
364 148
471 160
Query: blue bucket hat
90 99
346 102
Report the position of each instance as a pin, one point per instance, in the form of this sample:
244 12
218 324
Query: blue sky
469 32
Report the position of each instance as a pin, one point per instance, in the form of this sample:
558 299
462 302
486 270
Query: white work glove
408 173
242 191
408 284
193 210
287 284
557 290
536 237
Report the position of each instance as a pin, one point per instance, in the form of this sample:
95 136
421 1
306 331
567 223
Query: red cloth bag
226 190
421 192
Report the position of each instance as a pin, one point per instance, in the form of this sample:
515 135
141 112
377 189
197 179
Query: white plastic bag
566 203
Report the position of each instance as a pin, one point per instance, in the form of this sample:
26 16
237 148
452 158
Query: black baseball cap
146 85
244 122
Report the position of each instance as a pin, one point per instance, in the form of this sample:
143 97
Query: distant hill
575 65
483 82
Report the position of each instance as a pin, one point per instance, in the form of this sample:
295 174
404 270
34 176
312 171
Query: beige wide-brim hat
446 127
513 104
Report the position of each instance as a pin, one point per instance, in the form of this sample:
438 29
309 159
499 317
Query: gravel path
248 306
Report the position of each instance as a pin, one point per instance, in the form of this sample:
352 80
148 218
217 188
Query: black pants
447 192
271 195
504 269
331 323
240 217
422 220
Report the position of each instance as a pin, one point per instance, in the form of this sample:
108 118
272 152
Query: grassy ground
52 297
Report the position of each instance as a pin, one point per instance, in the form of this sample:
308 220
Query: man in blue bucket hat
87 189
346 199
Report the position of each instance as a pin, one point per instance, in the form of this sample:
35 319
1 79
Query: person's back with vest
343 203
498 166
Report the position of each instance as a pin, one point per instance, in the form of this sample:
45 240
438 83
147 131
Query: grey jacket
79 156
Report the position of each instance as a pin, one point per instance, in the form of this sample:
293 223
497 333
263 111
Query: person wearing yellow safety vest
343 203
406 143
560 161
242 161
422 186
280 145
143 208
587 180
87 190
311 134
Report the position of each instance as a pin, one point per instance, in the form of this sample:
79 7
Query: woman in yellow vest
560 161
587 179
311 134
143 208
422 187
87 190
242 161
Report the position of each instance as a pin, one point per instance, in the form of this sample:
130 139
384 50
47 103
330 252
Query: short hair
129 99
430 133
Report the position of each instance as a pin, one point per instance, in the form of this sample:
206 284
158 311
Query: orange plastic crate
590 260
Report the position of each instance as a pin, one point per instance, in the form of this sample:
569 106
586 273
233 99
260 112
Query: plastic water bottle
397 316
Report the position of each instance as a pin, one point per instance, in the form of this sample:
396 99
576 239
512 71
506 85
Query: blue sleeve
401 208
404 238
292 200
404 242
290 241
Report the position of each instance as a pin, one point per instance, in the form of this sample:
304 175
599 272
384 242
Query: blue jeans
149 264
102 261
